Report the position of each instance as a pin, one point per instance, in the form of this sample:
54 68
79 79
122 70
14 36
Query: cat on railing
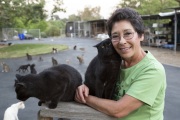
57 83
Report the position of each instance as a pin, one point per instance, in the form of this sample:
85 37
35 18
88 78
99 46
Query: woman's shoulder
151 63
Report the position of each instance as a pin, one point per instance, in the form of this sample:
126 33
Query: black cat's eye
108 44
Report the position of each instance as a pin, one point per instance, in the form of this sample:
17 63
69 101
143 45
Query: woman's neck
127 63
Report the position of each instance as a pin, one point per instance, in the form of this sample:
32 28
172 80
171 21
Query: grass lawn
20 50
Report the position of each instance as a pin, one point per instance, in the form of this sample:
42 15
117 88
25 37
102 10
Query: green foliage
160 6
14 12
74 17
18 23
54 27
43 35
57 23
149 7
53 31
42 25
20 50
33 13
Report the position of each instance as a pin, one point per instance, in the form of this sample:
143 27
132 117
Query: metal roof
162 15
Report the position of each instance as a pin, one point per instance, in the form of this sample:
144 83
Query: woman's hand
81 93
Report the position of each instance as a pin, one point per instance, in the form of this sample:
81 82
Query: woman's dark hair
126 14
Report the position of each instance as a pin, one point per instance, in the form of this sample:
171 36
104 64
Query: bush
43 35
53 31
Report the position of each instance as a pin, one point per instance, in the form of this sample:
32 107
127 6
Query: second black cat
102 72
52 85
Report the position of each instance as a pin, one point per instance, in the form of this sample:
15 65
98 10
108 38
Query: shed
174 16
86 28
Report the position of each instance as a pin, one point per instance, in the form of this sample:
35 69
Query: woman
141 93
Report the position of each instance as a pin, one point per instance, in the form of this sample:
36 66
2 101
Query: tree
13 12
90 13
145 7
6 11
33 12
129 3
19 13
74 17
178 2
57 8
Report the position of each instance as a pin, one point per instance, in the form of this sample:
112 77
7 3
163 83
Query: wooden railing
72 110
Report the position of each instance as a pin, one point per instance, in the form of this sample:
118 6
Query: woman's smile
125 49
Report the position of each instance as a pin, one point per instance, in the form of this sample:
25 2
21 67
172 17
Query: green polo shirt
145 81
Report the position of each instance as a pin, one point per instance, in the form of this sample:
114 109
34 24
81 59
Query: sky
73 6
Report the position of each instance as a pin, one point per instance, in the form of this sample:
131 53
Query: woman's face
126 40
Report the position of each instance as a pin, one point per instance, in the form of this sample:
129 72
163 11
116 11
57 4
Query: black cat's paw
52 105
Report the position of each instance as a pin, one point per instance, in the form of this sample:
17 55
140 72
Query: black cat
103 70
40 58
54 84
54 61
23 68
75 47
32 69
29 57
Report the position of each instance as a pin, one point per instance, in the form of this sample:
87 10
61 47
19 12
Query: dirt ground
165 56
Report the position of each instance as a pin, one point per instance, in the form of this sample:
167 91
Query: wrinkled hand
81 93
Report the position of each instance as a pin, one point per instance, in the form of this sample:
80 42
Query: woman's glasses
126 36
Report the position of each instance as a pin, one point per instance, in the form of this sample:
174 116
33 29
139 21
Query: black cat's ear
97 45
20 84
18 76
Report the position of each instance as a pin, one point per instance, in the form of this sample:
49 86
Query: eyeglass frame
123 37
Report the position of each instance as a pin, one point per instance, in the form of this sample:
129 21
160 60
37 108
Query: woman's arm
118 109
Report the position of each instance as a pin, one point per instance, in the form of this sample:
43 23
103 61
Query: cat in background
82 49
57 83
5 67
11 113
75 47
32 69
23 68
29 57
103 70
40 58
81 59
54 50
54 61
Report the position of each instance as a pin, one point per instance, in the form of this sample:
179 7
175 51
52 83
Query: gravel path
165 56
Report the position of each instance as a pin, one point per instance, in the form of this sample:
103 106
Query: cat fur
57 83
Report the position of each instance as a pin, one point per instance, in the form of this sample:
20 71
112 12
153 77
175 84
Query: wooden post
43 118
